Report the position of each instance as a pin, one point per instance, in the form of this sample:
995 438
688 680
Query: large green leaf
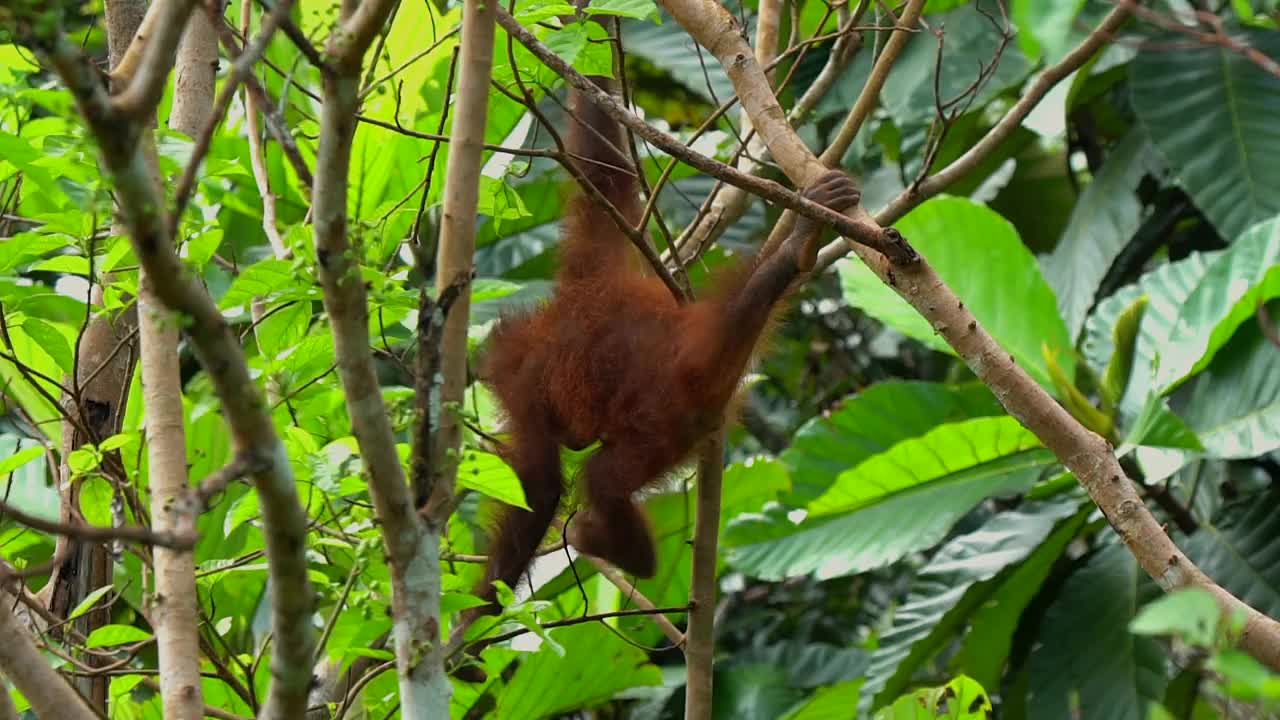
1087 664
985 648
1212 113
873 421
593 665
1166 288
1102 221
1234 407
1244 275
1241 551
896 502
980 256
948 589
944 453
829 703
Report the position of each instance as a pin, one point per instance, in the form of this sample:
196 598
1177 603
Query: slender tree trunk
173 604
102 378
700 644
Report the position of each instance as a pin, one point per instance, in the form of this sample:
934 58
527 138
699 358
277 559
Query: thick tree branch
50 696
1085 453
413 551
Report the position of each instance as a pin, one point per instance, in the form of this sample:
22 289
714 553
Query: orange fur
613 357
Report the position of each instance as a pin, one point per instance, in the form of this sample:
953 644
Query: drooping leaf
1124 338
1211 112
985 648
956 582
1005 291
1086 662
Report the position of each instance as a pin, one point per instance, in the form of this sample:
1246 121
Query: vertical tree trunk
102 376
173 603
700 644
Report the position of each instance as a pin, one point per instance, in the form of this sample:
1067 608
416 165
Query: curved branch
1085 453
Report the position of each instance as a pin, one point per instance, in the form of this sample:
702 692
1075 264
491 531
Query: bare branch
98 533
860 231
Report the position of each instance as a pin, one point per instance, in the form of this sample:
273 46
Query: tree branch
859 230
1083 452
50 696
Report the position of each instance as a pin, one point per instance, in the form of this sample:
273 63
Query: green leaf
283 329
199 247
260 280
1247 679
1234 407
945 453
535 12
52 341
1211 111
595 664
83 460
24 481
873 421
89 601
1005 291
1044 25
487 473
111 635
1190 613
894 503
96 495
20 458
985 648
1244 275
960 699
1124 337
1238 550
1086 664
638 9
1166 288
829 703
945 592
68 264
23 248
1102 222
